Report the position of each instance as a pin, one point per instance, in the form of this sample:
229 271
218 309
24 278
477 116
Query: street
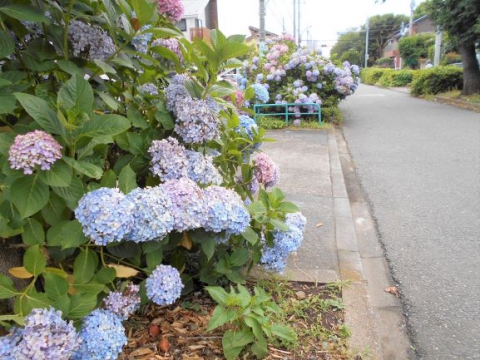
419 165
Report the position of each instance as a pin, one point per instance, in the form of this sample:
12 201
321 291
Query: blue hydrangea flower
141 41
261 93
284 242
201 169
169 159
9 342
164 286
105 215
103 336
150 89
248 125
188 204
196 121
355 69
176 91
123 304
47 336
226 211
151 214
90 41
329 68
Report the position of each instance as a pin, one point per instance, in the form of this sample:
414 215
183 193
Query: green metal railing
257 111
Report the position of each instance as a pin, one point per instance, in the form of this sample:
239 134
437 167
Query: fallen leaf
392 290
154 330
319 224
20 272
123 271
300 295
164 345
142 351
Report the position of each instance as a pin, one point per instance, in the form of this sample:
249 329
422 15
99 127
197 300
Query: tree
412 48
352 56
461 20
421 10
350 41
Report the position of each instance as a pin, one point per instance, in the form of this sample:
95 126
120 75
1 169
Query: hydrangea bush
127 170
286 74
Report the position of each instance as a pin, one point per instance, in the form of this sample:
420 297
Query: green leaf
56 286
217 293
31 300
105 275
70 194
108 100
288 207
33 233
55 210
41 112
219 318
25 13
280 225
259 347
107 69
250 235
29 195
102 125
34 260
60 174
208 247
70 67
76 94
283 332
239 257
84 167
17 318
165 119
54 234
136 118
257 208
7 103
81 305
275 196
72 235
144 10
91 288
84 266
6 287
127 179
6 140
7 45
62 304
109 179
255 325
244 296
154 258
234 341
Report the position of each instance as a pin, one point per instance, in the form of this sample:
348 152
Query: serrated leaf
33 233
7 45
34 260
105 275
25 13
20 272
123 271
60 174
72 235
108 100
62 304
6 287
81 305
107 69
31 300
154 258
71 194
84 266
7 102
283 332
250 235
56 286
239 257
109 179
208 247
280 225
77 95
234 341
84 167
41 112
127 180
219 318
103 125
29 195
217 293
288 207
20 320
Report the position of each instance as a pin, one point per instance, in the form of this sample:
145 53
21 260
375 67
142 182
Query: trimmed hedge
396 77
370 76
437 80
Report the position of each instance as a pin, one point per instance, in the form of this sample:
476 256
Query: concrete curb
376 317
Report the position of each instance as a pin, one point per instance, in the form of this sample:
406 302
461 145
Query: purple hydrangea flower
103 336
172 44
188 204
36 148
196 121
123 304
9 342
226 211
201 169
176 92
151 214
169 159
47 336
90 41
173 9
164 286
106 215
267 171
150 89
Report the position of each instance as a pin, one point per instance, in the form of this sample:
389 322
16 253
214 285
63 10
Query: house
254 37
419 26
199 17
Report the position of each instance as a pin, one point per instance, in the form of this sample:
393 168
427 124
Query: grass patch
272 123
456 94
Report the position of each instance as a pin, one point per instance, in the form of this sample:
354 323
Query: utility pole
295 21
410 26
366 41
298 25
438 47
262 27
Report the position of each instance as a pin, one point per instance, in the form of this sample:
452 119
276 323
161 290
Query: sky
320 19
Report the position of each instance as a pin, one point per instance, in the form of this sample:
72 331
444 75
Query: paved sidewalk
311 176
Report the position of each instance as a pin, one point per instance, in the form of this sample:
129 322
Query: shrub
271 123
396 78
113 170
437 80
413 47
370 76
385 62
451 58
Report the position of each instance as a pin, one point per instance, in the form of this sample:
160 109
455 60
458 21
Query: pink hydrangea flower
33 149
173 9
267 171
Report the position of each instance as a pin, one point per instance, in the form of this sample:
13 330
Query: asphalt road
419 165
